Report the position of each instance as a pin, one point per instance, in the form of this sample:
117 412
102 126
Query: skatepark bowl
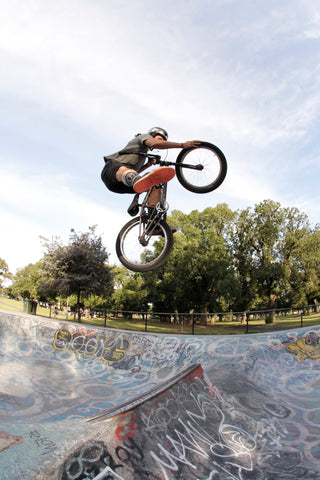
81 403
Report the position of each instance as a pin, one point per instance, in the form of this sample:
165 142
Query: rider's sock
130 178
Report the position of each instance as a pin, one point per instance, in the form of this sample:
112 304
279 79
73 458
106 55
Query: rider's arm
161 144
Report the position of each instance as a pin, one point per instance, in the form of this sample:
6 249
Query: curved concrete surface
79 403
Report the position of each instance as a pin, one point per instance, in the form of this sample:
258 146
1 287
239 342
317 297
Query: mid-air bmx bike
146 241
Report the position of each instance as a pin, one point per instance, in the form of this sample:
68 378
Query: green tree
266 244
305 270
97 302
198 275
242 247
26 282
130 292
4 271
78 268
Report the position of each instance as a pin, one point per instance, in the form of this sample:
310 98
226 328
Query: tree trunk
203 316
271 316
78 306
243 318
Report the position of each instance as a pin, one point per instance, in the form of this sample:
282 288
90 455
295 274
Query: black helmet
158 131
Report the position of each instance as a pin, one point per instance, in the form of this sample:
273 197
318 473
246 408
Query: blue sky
79 78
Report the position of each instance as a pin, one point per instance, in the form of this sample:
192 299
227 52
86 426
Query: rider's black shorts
108 176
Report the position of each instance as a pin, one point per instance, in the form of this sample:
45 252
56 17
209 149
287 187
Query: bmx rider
120 173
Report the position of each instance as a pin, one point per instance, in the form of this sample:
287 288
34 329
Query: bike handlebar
158 161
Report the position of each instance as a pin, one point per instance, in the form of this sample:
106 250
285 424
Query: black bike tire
144 267
205 188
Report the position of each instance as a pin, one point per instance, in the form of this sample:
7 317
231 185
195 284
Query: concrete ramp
78 403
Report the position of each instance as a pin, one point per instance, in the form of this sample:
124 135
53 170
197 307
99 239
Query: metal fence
193 323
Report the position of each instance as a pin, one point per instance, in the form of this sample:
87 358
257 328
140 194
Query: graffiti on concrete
7 440
260 419
129 453
92 460
44 443
109 349
194 431
307 347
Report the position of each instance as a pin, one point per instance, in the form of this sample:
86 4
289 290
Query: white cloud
94 65
33 208
244 77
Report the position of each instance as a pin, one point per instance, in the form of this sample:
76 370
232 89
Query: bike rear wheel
209 168
143 258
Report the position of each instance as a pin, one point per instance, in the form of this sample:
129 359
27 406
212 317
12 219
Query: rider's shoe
156 177
134 207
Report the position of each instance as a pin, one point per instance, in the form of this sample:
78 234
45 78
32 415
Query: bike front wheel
142 256
201 169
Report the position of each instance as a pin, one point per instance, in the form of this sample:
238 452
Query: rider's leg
127 175
154 197
140 184
123 174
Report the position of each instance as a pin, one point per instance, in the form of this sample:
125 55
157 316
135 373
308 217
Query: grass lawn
226 327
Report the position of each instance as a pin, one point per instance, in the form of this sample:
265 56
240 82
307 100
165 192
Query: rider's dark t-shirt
128 155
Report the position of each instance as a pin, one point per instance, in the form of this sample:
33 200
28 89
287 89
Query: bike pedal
133 211
159 232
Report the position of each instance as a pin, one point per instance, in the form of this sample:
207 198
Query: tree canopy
264 257
4 271
27 281
266 242
78 268
198 275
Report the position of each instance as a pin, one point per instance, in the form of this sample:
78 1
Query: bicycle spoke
142 252
209 168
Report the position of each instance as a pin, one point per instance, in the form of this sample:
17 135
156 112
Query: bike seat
133 209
